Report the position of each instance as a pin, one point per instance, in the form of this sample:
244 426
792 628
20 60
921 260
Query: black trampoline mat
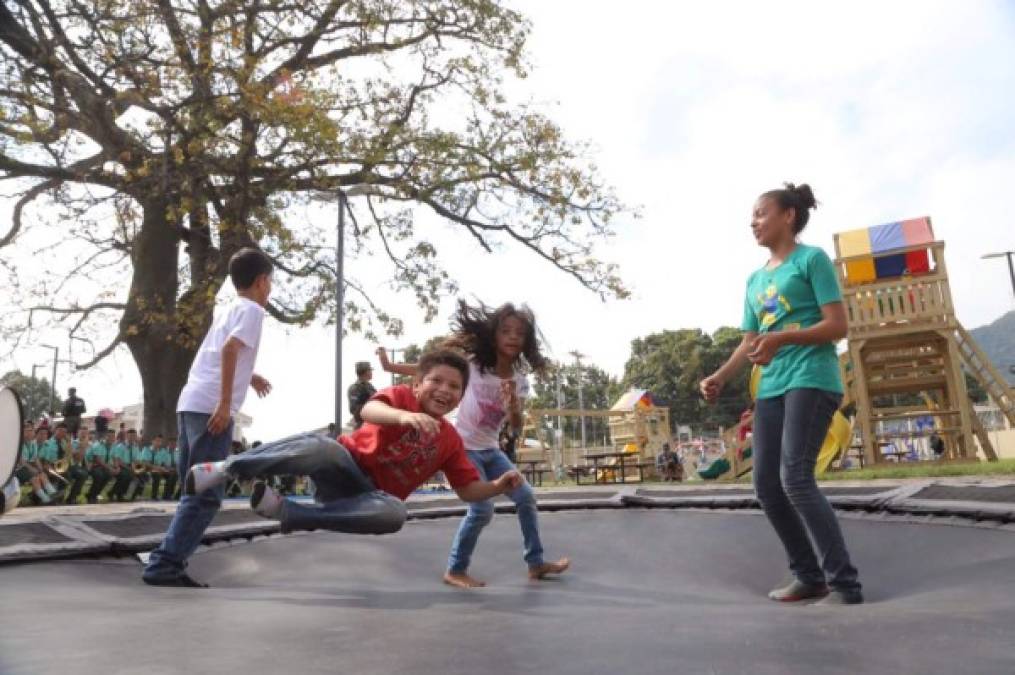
140 526
973 493
839 490
29 533
650 591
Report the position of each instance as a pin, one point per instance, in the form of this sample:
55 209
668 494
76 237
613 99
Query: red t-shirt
399 459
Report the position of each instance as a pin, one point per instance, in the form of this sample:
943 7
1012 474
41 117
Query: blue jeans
347 500
788 433
491 464
195 512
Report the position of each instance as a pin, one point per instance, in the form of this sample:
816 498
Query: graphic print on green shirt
789 297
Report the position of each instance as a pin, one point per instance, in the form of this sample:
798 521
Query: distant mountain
998 341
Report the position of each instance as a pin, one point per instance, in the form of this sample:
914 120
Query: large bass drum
12 420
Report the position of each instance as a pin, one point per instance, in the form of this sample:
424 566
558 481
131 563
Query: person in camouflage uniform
360 391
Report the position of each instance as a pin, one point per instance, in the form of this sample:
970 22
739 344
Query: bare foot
537 573
462 580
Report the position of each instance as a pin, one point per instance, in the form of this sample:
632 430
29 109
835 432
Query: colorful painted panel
890 265
918 262
854 242
887 237
917 231
860 271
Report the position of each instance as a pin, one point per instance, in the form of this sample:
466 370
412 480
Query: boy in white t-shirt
214 393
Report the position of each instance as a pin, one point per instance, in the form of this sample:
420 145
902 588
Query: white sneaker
203 477
265 501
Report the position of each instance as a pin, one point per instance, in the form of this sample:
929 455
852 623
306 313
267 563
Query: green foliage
599 391
672 363
34 393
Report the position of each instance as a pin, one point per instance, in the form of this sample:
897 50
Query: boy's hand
260 385
512 480
219 419
421 422
710 387
382 356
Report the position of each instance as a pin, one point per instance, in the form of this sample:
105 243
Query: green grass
1004 467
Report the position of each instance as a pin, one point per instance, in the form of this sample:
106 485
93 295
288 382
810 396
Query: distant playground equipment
903 339
11 425
638 428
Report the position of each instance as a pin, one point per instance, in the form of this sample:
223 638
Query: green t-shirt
787 298
120 452
147 455
163 457
50 451
139 454
29 451
97 450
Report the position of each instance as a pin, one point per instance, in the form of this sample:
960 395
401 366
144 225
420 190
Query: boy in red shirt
362 479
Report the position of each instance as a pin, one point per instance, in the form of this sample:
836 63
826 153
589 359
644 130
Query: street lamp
343 204
31 391
1011 266
578 356
52 384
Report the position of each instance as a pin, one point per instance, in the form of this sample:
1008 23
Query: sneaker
265 501
797 591
182 581
839 597
203 477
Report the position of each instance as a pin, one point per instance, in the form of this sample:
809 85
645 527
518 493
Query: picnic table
602 457
528 469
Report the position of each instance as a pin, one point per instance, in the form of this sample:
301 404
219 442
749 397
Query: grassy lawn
1004 467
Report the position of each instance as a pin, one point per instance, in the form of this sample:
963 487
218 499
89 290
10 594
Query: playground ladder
984 371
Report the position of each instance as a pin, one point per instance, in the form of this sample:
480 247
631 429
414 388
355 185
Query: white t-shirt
481 412
241 320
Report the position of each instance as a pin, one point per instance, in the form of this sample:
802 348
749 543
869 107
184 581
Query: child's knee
523 496
481 513
393 519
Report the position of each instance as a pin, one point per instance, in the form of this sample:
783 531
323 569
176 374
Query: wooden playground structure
637 428
904 341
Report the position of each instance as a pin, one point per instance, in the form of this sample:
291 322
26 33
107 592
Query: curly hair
474 331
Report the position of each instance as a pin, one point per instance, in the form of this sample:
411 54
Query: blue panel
887 237
890 266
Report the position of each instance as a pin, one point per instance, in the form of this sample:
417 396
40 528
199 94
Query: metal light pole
1011 266
52 384
581 398
560 419
339 302
35 367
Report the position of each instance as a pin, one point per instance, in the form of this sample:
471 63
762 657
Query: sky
888 110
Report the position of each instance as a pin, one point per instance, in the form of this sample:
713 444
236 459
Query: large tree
599 390
672 363
171 133
37 395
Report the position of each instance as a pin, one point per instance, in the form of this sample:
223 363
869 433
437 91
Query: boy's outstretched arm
481 490
407 369
382 414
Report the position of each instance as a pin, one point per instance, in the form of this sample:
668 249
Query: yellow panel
860 271
854 242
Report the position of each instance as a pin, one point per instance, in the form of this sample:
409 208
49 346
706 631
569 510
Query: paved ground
651 591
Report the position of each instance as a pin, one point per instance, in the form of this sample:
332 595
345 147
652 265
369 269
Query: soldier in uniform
360 391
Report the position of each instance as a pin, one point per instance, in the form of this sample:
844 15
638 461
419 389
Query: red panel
917 262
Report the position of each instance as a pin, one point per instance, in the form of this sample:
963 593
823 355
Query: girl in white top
503 347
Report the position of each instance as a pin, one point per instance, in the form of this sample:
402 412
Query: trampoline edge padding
89 536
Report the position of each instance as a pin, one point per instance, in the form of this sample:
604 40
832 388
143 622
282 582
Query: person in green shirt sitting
119 465
97 457
51 450
77 472
141 466
163 469
45 454
27 473
793 316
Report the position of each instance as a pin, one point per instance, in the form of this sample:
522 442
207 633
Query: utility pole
560 420
578 356
1011 266
52 384
339 302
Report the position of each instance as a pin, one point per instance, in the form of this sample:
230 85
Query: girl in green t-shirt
793 316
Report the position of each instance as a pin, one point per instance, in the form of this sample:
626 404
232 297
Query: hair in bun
800 198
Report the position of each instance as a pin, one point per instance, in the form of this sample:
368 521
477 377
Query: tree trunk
162 332
163 369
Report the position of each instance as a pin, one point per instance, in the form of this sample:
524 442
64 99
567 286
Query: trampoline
651 591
